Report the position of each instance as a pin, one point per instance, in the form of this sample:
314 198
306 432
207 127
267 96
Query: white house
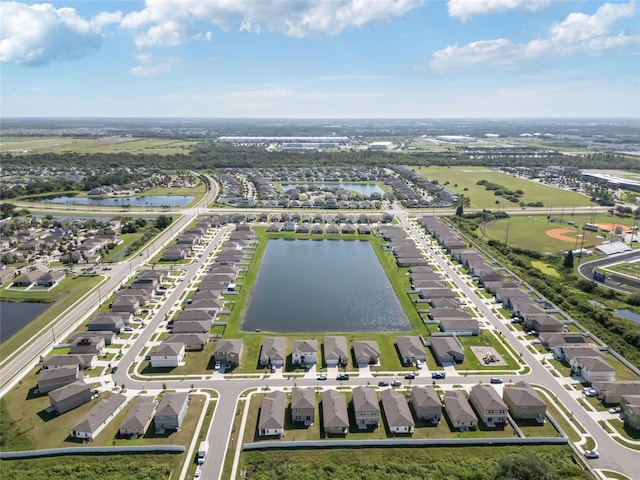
304 352
168 355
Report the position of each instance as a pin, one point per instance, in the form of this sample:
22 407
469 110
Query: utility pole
506 238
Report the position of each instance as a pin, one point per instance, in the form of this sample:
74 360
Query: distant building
456 139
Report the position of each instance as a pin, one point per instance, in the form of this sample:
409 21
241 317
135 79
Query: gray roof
595 363
425 396
273 348
62 360
486 397
168 349
445 345
304 346
365 400
410 346
367 348
58 373
229 346
141 412
303 397
171 404
396 408
523 395
69 391
334 410
458 408
272 410
335 348
99 414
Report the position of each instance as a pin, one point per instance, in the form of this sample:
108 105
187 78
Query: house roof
367 348
446 345
66 371
425 396
410 346
442 313
573 351
188 338
141 412
59 360
613 387
171 404
597 364
335 348
273 348
459 324
334 410
523 395
193 315
168 350
188 326
229 346
69 391
99 413
365 400
486 397
396 408
304 346
272 410
303 397
458 408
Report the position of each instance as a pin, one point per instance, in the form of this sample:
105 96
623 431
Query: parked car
383 384
409 376
128 329
591 454
438 375
589 392
495 380
322 376
396 383
342 376
217 366
615 410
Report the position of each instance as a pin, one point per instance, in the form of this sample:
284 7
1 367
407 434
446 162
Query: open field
630 269
537 232
479 463
463 180
115 144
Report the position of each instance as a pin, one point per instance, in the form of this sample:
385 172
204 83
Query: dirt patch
489 356
611 226
562 234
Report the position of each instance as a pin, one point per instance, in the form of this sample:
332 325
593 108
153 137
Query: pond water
629 315
322 286
150 201
363 188
14 316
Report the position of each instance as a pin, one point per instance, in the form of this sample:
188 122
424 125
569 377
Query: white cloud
39 33
173 22
577 34
149 67
333 78
463 9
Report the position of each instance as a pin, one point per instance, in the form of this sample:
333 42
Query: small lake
150 201
629 315
15 315
363 188
322 286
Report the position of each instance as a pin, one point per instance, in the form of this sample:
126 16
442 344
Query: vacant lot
113 144
463 180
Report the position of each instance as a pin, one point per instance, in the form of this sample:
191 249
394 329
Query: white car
197 474
591 454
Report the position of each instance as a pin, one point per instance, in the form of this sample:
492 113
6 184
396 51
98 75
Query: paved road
625 284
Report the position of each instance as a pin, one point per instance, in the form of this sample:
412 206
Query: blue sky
320 58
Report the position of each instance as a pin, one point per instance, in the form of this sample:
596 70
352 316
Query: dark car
438 375
383 384
342 376
495 380
409 376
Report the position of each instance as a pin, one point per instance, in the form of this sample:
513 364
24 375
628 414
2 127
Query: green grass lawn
463 180
65 294
159 146
534 429
623 374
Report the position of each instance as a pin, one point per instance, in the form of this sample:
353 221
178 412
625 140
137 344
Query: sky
320 58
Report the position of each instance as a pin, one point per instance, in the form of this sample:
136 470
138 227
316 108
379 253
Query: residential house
271 419
106 322
460 413
167 355
366 409
630 410
592 369
175 253
171 411
334 413
611 393
567 352
304 352
228 352
488 405
107 336
336 353
426 403
446 350
191 341
191 327
125 305
98 417
29 279
81 361
89 344
139 417
273 352
524 403
303 405
396 411
410 349
366 352
542 322
460 327
70 396
53 378
51 279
